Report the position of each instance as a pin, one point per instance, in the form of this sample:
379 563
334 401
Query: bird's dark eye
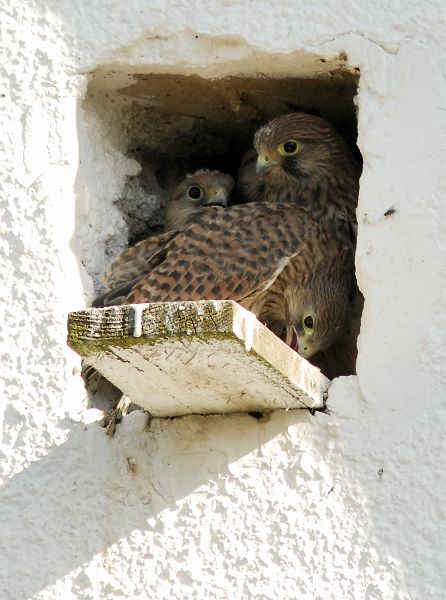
308 322
195 192
289 148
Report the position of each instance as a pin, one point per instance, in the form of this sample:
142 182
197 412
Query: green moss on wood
100 326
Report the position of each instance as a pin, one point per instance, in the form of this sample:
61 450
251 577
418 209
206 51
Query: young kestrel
204 188
312 298
301 158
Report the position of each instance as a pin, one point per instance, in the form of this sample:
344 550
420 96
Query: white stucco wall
348 504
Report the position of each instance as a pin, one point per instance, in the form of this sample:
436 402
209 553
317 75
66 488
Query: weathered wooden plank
195 357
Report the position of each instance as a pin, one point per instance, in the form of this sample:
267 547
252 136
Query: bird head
315 316
298 145
204 188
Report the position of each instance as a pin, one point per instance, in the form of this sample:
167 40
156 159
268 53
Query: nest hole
147 130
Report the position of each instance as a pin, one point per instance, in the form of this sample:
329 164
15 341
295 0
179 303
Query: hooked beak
293 342
264 164
218 198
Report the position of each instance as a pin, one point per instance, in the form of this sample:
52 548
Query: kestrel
300 158
241 252
204 188
312 298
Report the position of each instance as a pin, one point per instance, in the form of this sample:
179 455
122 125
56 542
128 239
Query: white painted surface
345 505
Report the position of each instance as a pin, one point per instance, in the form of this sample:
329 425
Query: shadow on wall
92 490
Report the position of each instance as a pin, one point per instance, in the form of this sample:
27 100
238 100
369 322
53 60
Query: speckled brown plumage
235 253
322 175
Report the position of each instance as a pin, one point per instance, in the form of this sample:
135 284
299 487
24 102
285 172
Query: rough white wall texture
348 504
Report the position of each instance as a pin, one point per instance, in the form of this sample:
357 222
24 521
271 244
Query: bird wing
227 254
136 261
